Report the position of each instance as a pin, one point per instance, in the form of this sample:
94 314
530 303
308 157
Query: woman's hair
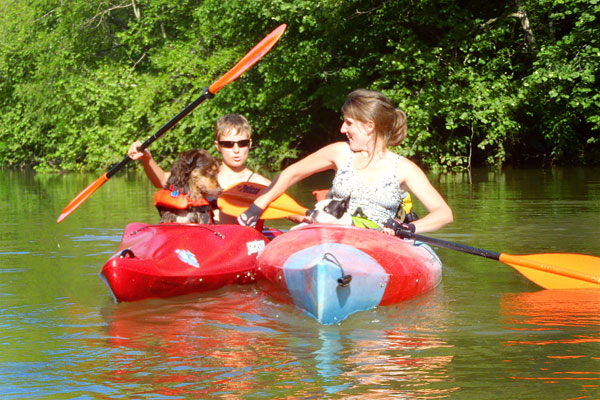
229 122
368 105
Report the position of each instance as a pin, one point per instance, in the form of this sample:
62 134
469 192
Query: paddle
243 65
550 270
237 198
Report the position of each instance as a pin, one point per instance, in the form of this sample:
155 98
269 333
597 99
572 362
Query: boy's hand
135 154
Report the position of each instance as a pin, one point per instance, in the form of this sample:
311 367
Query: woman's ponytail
398 133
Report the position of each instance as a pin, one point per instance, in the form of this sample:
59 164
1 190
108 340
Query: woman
366 169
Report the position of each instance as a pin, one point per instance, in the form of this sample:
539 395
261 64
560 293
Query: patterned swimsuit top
379 200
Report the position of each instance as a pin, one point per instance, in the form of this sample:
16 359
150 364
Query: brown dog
193 178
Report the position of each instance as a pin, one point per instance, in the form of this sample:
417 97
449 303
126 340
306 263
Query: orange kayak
333 271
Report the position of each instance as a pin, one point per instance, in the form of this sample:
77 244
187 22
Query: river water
485 332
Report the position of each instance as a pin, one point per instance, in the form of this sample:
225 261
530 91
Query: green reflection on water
485 332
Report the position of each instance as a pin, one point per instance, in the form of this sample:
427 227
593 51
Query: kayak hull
157 261
332 271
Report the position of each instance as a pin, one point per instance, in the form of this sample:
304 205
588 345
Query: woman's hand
251 216
388 231
298 219
394 227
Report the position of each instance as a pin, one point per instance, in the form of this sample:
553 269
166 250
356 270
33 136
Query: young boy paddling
233 139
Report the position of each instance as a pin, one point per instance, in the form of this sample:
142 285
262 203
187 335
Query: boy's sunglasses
228 144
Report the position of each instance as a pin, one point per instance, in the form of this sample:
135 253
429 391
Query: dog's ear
206 161
345 203
188 158
337 208
343 207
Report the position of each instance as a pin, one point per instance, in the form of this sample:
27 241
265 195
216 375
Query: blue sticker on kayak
187 257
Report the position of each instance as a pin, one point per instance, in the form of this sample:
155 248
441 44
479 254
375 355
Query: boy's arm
154 172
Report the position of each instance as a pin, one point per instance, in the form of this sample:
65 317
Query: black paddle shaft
452 246
206 94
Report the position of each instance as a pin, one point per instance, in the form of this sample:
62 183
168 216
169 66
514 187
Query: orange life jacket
169 199
174 199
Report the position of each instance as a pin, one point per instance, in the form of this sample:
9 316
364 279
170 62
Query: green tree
482 83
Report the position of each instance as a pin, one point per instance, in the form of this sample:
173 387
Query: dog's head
331 211
195 173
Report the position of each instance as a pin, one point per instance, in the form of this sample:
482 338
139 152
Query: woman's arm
321 160
439 212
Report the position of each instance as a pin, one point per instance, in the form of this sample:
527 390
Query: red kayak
174 259
333 271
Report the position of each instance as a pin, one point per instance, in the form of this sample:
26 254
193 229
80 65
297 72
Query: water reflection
541 319
232 343
405 354
481 334
194 346
550 309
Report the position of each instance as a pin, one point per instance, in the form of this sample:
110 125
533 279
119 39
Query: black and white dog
331 211
335 211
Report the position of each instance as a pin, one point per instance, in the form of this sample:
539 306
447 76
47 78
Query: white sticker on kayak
187 257
255 246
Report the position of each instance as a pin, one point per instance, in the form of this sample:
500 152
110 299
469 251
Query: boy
233 139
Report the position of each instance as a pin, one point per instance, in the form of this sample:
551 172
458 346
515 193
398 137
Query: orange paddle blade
246 62
249 59
81 197
557 270
237 198
550 270
277 209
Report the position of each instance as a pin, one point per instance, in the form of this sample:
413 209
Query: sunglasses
228 144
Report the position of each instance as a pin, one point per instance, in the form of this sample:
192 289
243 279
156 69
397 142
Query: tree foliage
483 83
